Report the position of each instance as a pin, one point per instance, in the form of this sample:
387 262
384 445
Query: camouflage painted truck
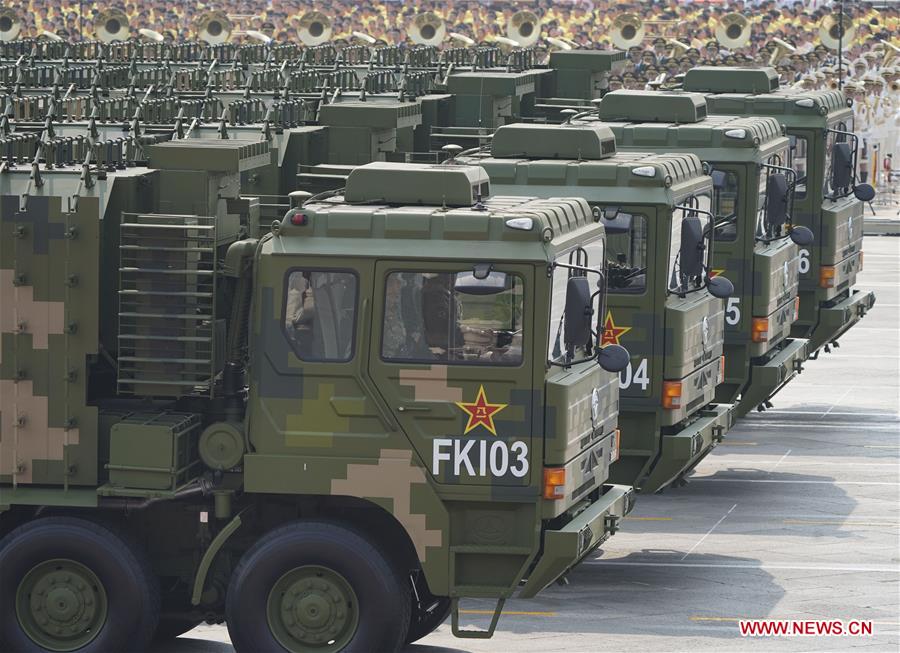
326 436
828 200
656 211
756 244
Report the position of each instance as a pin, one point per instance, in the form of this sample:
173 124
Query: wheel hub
312 608
61 605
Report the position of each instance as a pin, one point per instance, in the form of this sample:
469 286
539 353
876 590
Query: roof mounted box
652 106
223 156
533 141
408 183
593 60
730 79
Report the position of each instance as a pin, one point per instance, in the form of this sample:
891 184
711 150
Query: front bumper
768 378
682 451
566 547
834 321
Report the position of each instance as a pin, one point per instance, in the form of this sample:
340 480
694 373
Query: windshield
590 256
797 160
725 205
689 245
626 248
455 318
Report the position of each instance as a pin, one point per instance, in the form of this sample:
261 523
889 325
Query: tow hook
718 434
611 524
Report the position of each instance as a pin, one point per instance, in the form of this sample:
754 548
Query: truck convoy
275 353
665 306
755 239
827 198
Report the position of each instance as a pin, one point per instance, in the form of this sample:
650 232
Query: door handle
412 409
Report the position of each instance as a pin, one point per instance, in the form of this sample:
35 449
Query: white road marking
780 460
768 480
874 569
700 541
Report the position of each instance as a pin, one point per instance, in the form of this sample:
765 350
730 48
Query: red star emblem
611 332
481 413
715 273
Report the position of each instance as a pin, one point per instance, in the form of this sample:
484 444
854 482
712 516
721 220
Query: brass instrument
627 31
781 49
427 28
10 25
214 27
524 27
315 28
830 28
733 31
111 25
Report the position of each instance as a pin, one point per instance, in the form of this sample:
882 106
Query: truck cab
657 213
823 151
396 399
754 237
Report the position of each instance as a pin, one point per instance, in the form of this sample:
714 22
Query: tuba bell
315 28
780 49
111 25
733 31
830 28
10 25
214 27
524 27
151 35
627 31
427 28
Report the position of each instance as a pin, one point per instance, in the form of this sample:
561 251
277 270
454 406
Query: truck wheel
71 584
316 586
425 623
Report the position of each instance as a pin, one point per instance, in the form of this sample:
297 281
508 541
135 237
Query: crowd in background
585 22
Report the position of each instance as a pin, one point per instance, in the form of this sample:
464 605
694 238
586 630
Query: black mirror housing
864 192
613 358
776 200
841 166
691 256
579 312
720 287
802 236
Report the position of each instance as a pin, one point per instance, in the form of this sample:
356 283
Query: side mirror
720 287
776 200
691 256
613 358
578 312
842 166
864 192
802 236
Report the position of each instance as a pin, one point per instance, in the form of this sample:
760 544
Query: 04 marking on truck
611 331
637 375
481 412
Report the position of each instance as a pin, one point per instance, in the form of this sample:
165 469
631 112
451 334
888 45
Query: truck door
451 355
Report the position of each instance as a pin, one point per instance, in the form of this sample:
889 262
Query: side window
626 244
725 206
798 161
320 314
592 256
453 318
690 233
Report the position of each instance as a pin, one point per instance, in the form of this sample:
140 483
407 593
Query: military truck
326 436
665 305
755 240
828 200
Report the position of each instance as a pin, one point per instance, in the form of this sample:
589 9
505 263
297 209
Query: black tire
426 622
130 588
380 597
